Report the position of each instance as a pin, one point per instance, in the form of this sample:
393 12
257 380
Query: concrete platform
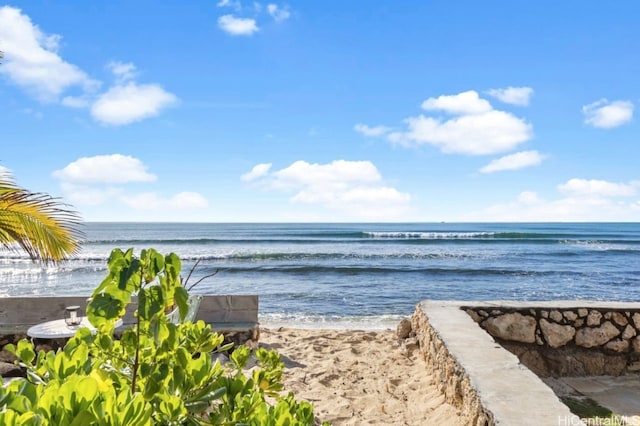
509 393
619 394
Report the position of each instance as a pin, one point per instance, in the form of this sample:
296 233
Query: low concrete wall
223 312
484 381
566 338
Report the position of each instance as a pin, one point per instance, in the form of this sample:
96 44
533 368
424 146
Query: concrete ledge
486 382
224 312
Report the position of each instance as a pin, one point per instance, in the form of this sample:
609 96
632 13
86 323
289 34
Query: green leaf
104 341
86 388
152 264
30 419
25 388
108 283
83 336
200 369
179 379
133 412
83 418
225 348
20 404
173 266
155 381
208 397
182 300
240 357
150 303
172 407
159 330
104 308
24 351
128 272
182 357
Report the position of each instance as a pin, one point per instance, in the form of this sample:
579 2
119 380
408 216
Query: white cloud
84 195
515 161
258 170
371 131
32 61
378 194
475 129
528 198
461 104
123 71
479 134
338 172
277 13
513 95
115 168
237 26
352 187
605 114
230 3
188 200
127 101
150 201
601 188
125 104
582 200
102 179
142 201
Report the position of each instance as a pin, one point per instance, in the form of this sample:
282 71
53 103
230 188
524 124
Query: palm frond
44 227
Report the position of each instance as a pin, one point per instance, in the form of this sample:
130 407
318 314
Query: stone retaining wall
566 341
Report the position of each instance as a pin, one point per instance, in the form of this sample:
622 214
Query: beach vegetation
44 227
591 412
156 372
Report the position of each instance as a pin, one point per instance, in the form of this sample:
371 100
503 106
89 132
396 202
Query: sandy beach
359 377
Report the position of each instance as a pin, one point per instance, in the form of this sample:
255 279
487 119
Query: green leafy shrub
157 372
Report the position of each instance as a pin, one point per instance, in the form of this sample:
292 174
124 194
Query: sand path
359 377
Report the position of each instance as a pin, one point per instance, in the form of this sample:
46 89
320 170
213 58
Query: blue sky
325 110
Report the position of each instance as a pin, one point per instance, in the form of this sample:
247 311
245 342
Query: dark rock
404 329
11 370
6 356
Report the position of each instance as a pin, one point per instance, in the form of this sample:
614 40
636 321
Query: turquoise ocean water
365 275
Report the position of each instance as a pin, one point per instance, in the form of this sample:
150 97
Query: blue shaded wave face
363 273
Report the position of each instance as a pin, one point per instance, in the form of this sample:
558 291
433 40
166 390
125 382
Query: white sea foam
308 321
601 245
429 235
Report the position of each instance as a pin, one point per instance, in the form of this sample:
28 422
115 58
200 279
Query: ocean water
364 275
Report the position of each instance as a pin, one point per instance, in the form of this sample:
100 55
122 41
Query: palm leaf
41 225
